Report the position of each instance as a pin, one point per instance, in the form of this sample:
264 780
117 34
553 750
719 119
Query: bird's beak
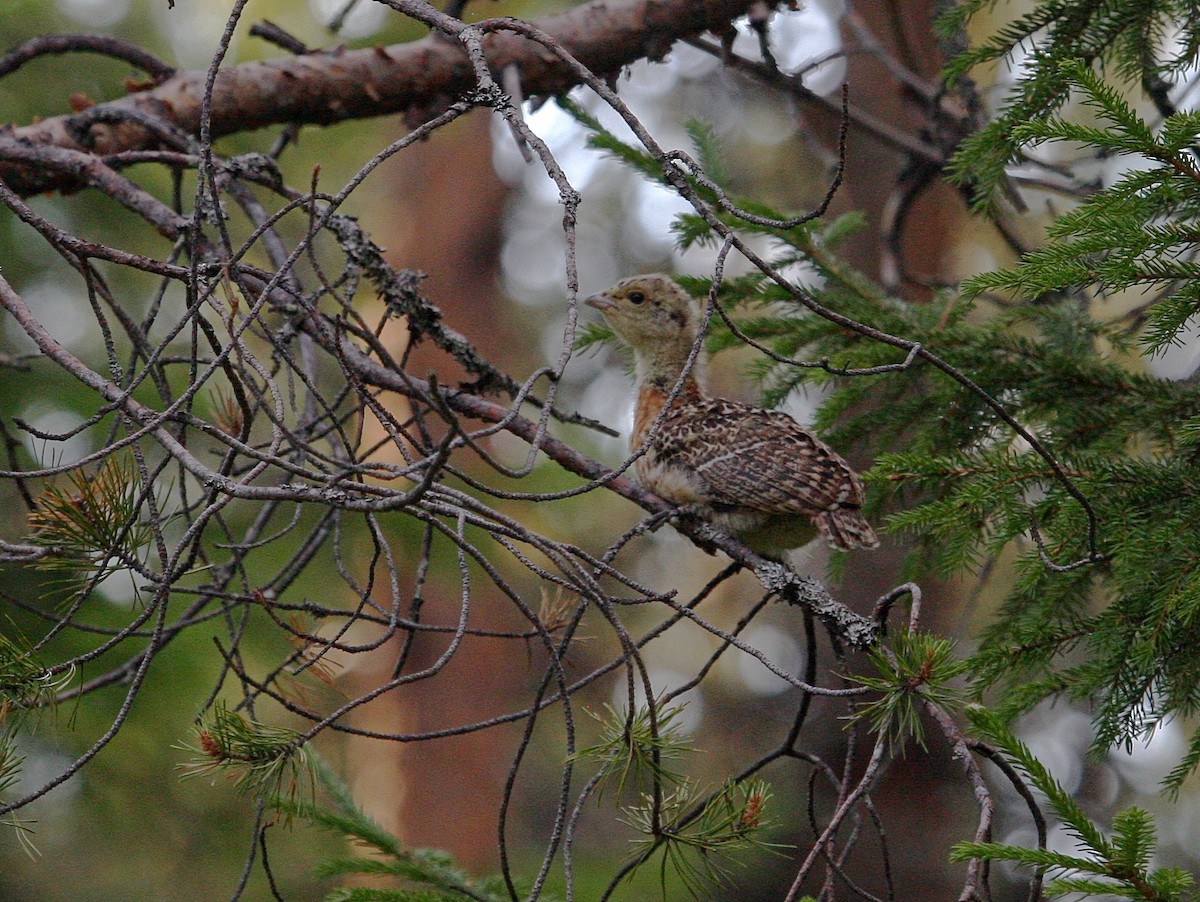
601 302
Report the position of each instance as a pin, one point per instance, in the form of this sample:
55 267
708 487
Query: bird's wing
756 459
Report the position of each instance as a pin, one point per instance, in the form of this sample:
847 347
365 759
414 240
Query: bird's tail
845 528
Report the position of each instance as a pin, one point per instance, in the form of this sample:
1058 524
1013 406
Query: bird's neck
653 394
659 368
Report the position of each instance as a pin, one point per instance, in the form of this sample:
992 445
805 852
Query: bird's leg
699 514
679 512
695 510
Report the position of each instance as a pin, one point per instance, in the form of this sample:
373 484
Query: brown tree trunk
440 214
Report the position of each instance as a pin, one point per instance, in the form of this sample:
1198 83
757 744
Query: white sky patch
58 421
1179 359
664 680
530 271
57 305
124 587
95 13
1149 761
364 20
691 62
566 139
1059 737
803 37
650 81
194 30
654 208
780 648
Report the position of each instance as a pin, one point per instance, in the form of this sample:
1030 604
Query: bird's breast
656 469
670 482
650 403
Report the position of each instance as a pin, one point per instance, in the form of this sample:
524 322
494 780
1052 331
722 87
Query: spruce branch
1116 866
424 874
1058 37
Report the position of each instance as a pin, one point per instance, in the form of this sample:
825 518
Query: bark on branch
850 628
416 78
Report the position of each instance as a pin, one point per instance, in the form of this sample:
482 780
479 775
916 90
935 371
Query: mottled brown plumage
756 474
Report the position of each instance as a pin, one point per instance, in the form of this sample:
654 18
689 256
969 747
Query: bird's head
649 313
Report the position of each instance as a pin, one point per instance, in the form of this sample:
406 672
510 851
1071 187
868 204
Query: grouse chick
754 474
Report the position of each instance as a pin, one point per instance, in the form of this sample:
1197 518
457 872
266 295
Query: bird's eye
636 297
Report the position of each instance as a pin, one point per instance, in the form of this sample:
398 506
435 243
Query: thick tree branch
321 88
849 627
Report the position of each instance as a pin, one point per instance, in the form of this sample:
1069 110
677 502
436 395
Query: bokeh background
466 209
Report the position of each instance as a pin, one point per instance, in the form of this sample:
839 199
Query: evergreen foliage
700 837
92 526
27 687
915 669
401 874
1142 43
1024 438
636 748
701 845
263 761
1117 866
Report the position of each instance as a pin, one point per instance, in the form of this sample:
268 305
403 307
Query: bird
756 475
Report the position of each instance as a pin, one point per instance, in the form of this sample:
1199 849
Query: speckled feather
756 459
760 475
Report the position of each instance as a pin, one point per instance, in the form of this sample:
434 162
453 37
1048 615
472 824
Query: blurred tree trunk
914 217
441 215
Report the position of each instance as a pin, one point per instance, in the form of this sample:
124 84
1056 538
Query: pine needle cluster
699 836
262 761
92 524
914 670
701 845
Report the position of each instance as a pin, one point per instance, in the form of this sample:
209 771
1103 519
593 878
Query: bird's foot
698 515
